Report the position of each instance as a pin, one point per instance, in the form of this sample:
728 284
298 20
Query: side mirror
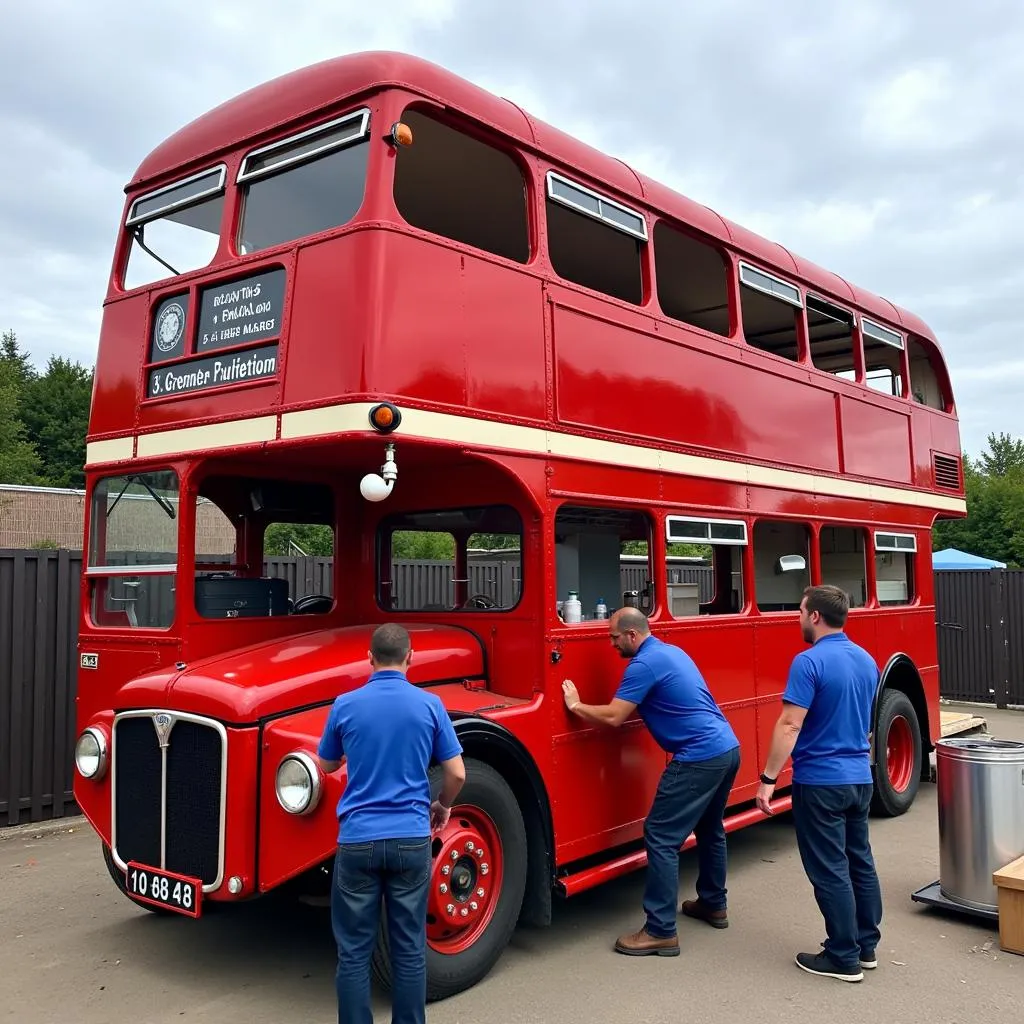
790 563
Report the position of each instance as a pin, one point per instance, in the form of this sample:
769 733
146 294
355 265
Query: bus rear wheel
898 755
476 884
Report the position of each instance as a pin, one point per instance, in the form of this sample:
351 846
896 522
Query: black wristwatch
767 781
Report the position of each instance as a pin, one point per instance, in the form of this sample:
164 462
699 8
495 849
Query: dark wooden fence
980 620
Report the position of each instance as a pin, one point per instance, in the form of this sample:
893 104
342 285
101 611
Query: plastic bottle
572 609
601 611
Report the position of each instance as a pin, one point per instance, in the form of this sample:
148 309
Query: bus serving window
305 184
603 556
771 312
781 565
175 229
594 240
695 591
250 535
454 185
844 561
133 551
894 567
467 559
692 280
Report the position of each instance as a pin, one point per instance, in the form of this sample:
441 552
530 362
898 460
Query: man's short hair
830 603
390 644
633 618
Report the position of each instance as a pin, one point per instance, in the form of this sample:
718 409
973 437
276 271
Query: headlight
91 754
298 783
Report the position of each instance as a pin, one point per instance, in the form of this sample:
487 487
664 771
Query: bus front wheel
898 754
477 881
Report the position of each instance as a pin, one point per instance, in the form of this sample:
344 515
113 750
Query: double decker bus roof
273 106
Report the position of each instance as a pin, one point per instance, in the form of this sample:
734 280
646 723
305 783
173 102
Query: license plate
165 889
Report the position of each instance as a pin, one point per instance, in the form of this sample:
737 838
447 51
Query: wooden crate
1009 882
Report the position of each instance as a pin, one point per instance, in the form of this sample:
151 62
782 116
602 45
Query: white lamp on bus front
376 487
91 754
298 783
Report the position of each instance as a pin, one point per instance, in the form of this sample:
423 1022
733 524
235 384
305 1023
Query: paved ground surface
72 949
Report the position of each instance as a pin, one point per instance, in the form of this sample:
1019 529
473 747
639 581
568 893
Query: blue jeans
399 871
832 834
691 797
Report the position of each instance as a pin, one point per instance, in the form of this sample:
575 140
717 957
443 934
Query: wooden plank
17 687
62 709
42 684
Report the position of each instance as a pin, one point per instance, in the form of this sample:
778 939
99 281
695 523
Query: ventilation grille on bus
947 471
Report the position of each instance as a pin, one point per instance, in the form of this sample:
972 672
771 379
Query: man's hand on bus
613 714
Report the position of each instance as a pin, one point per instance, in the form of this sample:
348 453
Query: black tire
888 800
448 974
122 883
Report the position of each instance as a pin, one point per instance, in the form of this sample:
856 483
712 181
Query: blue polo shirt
836 681
675 704
389 731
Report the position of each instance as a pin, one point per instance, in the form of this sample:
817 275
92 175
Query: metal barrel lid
980 748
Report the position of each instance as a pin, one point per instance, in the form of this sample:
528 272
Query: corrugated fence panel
1013 593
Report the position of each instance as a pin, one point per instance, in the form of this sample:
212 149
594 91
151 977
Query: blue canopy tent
950 558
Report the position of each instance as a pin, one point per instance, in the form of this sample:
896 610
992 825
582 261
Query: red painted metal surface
375 309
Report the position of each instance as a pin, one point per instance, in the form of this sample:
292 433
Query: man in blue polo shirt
666 688
826 725
388 731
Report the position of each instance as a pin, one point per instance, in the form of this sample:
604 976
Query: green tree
423 544
11 354
311 538
1005 456
19 462
55 411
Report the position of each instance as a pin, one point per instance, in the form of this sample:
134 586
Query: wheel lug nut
484 869
479 851
455 854
443 888
446 870
473 905
480 893
451 908
469 847
464 912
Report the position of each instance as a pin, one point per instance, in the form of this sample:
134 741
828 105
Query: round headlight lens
91 754
298 783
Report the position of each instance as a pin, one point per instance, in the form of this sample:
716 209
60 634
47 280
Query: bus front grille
168 783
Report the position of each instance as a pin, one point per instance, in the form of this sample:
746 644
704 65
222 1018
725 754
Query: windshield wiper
137 235
158 498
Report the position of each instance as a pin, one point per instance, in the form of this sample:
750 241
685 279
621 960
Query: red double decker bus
372 307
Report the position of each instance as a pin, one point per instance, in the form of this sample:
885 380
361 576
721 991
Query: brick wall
38 516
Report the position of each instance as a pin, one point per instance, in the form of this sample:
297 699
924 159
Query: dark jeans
832 834
691 797
398 870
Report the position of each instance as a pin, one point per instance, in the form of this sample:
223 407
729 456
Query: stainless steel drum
981 815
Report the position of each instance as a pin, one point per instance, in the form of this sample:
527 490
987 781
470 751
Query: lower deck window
895 554
782 571
451 560
843 562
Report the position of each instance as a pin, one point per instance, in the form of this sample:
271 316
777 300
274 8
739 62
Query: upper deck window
175 229
830 331
692 280
594 240
771 312
883 359
454 185
307 183
927 375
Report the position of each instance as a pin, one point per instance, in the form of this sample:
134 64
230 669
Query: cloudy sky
884 141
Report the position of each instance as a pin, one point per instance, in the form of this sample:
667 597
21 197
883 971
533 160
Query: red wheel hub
899 752
465 880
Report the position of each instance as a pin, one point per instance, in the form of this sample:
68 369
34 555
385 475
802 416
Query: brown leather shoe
696 909
642 944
